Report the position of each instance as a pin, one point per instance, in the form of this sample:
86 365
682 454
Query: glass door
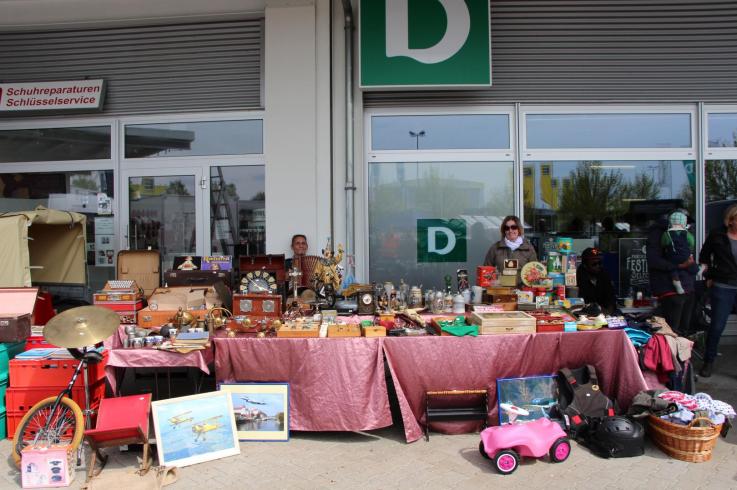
162 209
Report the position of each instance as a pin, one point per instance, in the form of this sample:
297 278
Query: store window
607 204
722 130
87 192
243 137
413 203
608 131
237 210
721 190
440 132
55 144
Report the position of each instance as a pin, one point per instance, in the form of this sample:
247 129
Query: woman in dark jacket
675 308
513 245
719 255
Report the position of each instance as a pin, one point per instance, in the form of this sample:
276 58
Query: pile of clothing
663 352
681 408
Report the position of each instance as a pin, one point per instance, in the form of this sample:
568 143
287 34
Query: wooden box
148 318
497 290
16 308
373 331
344 330
257 304
299 331
274 264
503 322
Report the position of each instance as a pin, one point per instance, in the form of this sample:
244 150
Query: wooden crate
503 322
347 330
374 331
299 332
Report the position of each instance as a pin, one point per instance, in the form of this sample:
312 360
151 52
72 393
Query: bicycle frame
65 392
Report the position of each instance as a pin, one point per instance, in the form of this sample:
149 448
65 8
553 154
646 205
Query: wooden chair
120 421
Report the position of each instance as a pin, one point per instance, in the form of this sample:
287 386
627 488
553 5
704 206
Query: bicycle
57 420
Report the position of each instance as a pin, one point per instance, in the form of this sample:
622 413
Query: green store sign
440 240
424 43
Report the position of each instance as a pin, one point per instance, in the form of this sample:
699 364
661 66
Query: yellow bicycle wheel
64 426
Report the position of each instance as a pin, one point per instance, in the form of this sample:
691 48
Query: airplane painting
193 429
261 410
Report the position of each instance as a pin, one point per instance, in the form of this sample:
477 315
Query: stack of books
191 340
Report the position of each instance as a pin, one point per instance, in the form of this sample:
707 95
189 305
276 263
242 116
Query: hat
677 219
591 253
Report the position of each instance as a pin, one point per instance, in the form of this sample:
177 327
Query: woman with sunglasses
513 245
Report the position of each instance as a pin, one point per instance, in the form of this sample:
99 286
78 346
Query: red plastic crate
52 372
38 342
22 399
14 418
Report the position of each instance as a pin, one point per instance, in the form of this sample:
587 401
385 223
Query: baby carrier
580 399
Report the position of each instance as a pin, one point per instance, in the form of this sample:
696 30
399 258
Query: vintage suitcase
196 278
16 308
142 266
503 322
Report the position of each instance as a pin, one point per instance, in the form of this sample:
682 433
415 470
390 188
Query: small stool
457 405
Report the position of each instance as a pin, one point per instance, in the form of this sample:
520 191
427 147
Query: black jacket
717 254
659 268
601 293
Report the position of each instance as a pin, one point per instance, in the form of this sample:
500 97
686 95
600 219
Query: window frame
571 154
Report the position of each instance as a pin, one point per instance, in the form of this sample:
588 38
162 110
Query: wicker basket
684 442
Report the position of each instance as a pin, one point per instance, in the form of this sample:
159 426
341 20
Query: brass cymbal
81 326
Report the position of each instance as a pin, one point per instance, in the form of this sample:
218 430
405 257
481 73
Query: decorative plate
532 272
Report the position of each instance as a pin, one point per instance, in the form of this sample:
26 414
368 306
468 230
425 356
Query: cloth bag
130 479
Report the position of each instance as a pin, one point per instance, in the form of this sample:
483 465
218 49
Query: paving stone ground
381 459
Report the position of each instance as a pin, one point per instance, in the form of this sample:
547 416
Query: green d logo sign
440 240
425 43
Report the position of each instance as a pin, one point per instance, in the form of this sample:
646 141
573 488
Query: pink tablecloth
446 363
334 384
153 358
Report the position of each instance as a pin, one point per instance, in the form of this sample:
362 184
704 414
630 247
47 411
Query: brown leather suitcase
142 266
16 308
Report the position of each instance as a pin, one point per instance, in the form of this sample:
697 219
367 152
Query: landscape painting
526 399
194 429
261 410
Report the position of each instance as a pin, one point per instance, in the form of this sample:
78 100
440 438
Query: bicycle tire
36 419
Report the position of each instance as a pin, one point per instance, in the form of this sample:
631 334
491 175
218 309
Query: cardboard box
47 467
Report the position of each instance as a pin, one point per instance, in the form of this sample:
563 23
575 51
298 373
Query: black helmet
616 437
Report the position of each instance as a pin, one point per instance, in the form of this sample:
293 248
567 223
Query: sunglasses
511 227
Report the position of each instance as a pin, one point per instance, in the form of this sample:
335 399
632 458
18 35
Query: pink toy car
505 444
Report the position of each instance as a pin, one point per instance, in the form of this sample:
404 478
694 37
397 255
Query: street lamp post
417 135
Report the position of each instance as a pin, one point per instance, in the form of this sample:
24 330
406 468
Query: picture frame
535 394
194 429
260 410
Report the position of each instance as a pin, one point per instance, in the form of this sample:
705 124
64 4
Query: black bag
580 399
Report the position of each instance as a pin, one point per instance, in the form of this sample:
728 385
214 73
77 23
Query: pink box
47 467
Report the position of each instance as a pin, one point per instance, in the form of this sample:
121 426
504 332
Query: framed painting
526 399
261 410
194 429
